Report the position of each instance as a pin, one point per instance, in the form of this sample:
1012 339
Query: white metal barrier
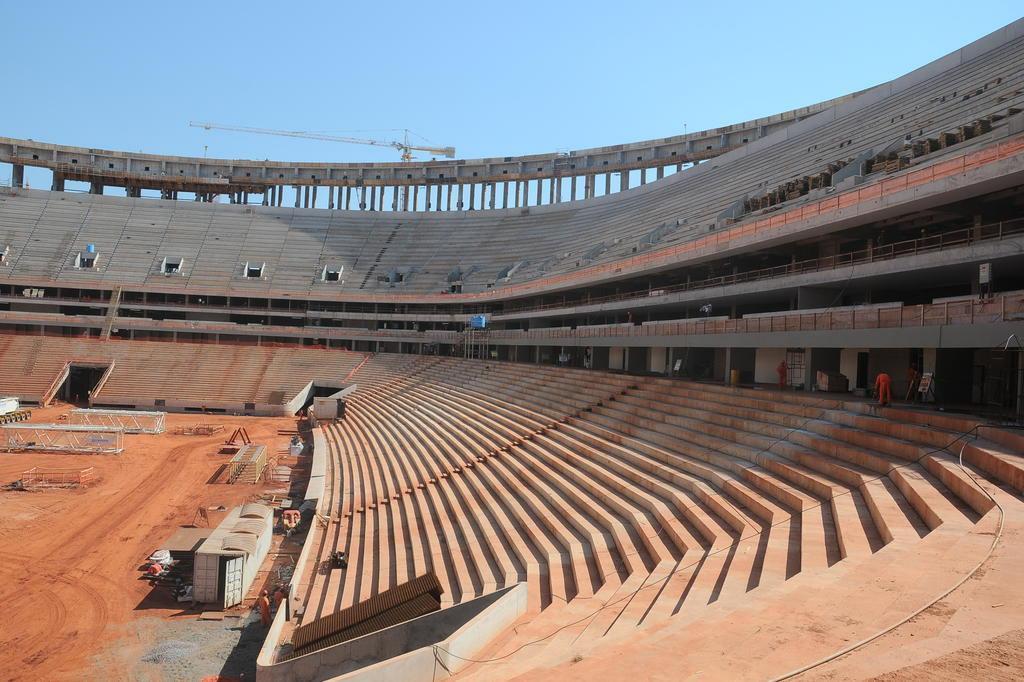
130 421
62 438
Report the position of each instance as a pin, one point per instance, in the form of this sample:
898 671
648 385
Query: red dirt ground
70 558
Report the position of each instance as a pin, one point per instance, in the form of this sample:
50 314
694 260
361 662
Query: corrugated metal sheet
256 510
251 526
418 606
242 542
386 601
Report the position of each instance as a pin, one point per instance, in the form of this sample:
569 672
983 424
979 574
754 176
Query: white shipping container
8 405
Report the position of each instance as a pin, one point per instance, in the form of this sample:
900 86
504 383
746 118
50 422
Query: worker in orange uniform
279 594
290 520
264 603
783 370
883 388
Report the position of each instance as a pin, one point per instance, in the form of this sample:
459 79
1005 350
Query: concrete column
58 183
348 198
623 180
460 204
643 177
94 187
558 190
540 187
312 202
551 190
517 193
395 192
449 204
472 196
362 198
572 188
298 196
415 197
380 199
373 198
266 198
18 175
438 200
406 193
607 183
504 194
330 198
280 195
426 197
588 186
660 173
494 192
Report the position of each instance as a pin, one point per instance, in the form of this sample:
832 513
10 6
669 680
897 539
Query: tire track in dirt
73 609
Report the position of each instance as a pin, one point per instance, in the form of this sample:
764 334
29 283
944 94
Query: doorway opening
81 382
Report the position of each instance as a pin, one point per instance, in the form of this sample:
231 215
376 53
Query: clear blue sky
491 79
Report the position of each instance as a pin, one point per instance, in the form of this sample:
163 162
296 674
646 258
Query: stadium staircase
111 317
630 503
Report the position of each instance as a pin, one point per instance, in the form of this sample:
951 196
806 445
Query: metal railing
885 252
999 308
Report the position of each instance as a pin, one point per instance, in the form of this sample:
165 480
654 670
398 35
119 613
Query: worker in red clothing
883 388
783 370
264 603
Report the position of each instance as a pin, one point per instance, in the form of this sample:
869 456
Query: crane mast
404 146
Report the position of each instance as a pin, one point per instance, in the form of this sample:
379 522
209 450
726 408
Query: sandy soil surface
70 558
996 660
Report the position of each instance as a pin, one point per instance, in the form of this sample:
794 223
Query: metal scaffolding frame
41 477
62 438
130 421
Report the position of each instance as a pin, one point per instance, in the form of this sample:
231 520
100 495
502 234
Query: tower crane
404 146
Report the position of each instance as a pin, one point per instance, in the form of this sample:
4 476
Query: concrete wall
318 469
765 362
978 335
658 360
848 365
179 406
405 651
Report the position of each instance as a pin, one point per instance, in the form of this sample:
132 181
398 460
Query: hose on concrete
856 645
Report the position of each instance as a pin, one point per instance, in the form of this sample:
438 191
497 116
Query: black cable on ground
731 546
856 645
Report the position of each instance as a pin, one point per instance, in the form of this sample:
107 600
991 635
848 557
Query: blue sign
478 322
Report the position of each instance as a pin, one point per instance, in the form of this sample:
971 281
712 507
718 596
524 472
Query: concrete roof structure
138 170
